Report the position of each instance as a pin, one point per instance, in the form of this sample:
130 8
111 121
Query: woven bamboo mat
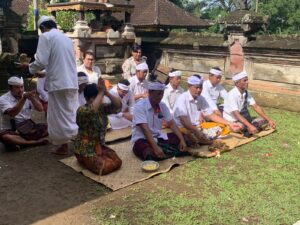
130 172
116 135
233 140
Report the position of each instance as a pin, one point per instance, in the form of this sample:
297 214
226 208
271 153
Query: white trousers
61 116
117 123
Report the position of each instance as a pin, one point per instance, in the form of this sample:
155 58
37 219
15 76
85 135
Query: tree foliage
284 15
30 16
65 19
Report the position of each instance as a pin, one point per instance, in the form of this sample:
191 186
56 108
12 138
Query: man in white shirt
213 90
188 109
93 72
15 108
56 54
124 118
173 89
149 141
138 83
235 106
82 82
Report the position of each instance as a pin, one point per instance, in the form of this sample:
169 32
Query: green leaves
65 19
284 15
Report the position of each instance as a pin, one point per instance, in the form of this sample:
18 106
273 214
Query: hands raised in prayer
101 86
29 95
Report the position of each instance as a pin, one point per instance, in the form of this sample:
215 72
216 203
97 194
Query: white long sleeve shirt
143 112
234 102
56 54
170 96
93 75
40 87
136 87
186 105
213 93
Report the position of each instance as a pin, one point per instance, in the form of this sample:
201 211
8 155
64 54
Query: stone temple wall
272 63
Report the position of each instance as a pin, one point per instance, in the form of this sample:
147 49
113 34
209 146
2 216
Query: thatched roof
163 14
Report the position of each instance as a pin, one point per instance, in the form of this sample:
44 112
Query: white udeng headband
239 76
156 86
193 80
215 72
123 87
142 66
176 73
15 81
83 80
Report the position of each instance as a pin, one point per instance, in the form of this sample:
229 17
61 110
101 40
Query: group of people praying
81 106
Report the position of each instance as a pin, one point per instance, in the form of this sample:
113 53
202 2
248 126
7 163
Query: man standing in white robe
56 54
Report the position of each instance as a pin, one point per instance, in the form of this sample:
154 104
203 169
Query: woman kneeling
89 147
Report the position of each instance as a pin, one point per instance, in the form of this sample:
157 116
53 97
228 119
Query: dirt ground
34 185
35 188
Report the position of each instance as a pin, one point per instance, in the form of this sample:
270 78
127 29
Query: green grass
244 186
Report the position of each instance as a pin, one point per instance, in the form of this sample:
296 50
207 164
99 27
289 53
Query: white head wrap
156 86
142 66
43 19
239 76
15 81
176 73
83 80
123 86
194 80
215 72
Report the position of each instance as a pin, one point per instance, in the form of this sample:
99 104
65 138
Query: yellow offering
225 130
150 166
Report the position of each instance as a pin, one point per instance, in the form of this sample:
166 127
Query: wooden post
35 13
81 15
53 13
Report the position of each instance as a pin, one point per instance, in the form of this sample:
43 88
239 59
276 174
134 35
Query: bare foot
62 150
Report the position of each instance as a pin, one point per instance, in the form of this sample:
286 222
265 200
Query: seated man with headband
188 109
149 141
16 128
213 90
173 89
236 103
124 118
139 83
